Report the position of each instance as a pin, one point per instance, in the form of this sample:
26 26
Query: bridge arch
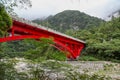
22 30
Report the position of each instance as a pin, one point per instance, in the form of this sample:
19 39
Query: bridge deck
44 28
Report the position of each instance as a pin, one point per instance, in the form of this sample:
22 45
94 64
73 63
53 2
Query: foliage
9 4
103 42
31 49
69 19
5 21
43 49
6 6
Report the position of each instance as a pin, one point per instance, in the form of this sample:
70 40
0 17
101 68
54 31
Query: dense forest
69 19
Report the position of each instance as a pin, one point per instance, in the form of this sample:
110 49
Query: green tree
7 6
5 21
43 50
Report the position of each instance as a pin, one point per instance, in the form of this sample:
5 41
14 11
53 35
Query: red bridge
23 29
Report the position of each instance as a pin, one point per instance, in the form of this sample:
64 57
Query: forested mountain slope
69 19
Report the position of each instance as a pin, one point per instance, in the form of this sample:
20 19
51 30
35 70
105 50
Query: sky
44 8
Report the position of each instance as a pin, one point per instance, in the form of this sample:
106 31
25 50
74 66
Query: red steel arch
21 30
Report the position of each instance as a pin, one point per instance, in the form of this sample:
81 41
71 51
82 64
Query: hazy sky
43 8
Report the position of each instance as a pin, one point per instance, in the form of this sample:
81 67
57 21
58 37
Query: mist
43 8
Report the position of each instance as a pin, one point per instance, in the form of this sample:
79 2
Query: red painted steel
21 30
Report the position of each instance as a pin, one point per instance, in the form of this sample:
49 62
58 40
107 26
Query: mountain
69 19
